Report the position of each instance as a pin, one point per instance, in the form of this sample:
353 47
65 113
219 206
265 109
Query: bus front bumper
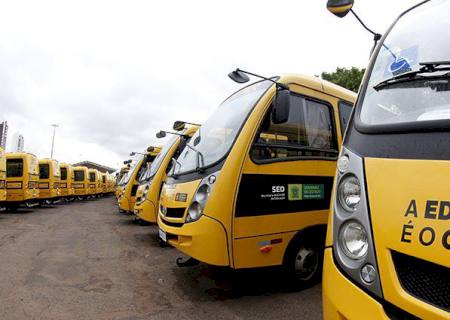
204 240
342 299
145 211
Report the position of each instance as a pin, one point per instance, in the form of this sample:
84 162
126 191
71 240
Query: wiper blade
200 158
427 67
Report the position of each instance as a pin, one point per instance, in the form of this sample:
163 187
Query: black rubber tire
294 280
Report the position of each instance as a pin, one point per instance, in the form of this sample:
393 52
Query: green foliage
347 78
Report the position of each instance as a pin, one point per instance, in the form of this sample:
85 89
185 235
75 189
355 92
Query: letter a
412 209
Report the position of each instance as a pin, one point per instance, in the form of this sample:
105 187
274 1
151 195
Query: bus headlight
353 240
194 212
201 196
349 193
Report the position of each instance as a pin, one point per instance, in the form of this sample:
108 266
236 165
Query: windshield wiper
427 67
199 158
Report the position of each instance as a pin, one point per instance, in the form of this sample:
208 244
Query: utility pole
53 139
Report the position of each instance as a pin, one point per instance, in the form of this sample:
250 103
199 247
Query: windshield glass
79 175
44 171
416 38
14 168
156 164
134 166
63 173
216 136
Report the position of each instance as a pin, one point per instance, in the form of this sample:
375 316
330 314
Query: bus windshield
129 174
79 175
14 168
399 91
214 139
159 158
44 171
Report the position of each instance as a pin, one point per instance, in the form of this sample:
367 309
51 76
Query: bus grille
425 280
175 212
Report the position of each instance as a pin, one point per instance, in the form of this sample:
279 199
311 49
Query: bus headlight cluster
195 210
353 247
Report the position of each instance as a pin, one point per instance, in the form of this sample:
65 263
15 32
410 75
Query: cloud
113 73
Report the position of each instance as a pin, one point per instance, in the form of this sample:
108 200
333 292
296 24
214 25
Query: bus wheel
303 264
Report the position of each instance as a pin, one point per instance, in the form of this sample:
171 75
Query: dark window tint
79 175
44 171
345 109
309 132
14 168
63 173
103 179
92 176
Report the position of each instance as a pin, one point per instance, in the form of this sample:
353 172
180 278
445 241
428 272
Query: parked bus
94 183
81 182
49 178
147 195
122 173
130 181
2 179
22 180
67 181
253 186
387 251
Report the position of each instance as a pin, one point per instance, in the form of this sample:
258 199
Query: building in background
93 165
18 142
3 134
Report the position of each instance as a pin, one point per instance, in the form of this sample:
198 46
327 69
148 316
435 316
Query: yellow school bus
121 176
147 195
81 182
387 251
2 179
22 180
252 188
130 181
94 183
49 178
66 182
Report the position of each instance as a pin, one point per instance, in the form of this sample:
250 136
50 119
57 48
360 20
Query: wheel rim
306 263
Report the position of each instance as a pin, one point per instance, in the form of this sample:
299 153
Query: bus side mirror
161 134
238 76
339 8
179 125
150 149
281 107
127 161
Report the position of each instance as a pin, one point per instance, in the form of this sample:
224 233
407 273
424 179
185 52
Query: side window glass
307 133
345 109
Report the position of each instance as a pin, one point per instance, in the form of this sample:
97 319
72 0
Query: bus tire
303 261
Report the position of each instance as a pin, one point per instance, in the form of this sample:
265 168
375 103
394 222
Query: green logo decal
294 192
313 191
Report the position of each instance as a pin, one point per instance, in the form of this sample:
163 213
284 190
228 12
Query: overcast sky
113 73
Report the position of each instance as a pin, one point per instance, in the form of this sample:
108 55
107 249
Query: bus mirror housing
150 149
238 76
132 154
160 134
339 8
281 107
127 161
179 125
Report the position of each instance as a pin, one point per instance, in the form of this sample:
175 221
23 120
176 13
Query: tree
347 78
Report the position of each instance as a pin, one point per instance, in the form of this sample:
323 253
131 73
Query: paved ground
86 261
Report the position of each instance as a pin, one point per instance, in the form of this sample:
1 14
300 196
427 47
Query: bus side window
345 109
309 132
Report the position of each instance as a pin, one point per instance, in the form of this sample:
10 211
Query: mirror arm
279 85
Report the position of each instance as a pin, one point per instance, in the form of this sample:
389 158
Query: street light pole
53 139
